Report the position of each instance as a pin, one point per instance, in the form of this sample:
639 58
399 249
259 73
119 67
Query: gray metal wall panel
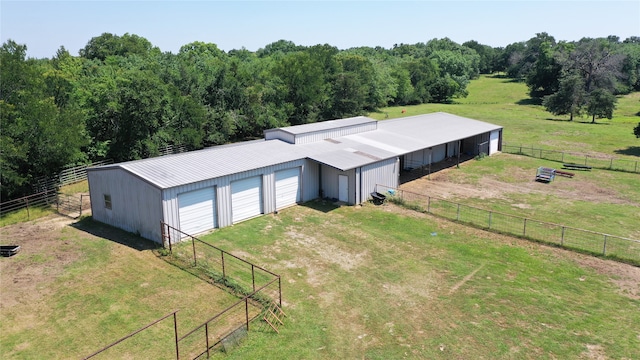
136 205
452 149
334 133
310 180
279 134
330 183
269 192
223 194
384 173
438 153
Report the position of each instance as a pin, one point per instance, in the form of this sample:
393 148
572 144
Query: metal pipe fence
607 163
557 234
219 264
259 287
39 200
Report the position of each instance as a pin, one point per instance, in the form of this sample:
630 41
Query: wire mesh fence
599 162
557 234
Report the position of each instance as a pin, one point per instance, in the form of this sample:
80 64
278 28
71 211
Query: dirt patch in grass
445 185
41 259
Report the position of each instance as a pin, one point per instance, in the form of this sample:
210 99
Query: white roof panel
186 168
327 125
392 138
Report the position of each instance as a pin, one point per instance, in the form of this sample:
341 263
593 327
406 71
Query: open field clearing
598 200
377 282
505 102
383 282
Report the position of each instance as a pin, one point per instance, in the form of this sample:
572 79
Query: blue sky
44 26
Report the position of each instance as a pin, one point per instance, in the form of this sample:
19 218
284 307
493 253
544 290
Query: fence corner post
604 246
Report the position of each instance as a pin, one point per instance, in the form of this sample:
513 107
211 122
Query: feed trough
9 250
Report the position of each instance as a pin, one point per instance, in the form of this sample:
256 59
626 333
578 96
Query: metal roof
397 137
190 167
325 125
392 138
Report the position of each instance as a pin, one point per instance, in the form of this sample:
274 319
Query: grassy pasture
373 282
505 102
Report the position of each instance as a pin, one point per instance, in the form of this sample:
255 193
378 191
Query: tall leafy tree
38 136
601 104
569 99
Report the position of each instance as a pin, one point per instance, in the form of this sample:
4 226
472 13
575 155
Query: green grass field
369 282
504 102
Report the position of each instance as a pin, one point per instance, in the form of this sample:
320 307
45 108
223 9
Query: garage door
246 198
493 144
287 187
197 210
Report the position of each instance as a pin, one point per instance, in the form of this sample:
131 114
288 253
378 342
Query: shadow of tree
631 150
529 101
99 229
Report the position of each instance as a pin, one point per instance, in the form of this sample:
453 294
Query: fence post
280 290
458 213
604 247
206 334
253 278
223 272
524 228
490 215
27 201
428 204
193 244
175 331
611 164
562 237
246 311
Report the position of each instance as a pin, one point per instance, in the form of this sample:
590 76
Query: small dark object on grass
9 250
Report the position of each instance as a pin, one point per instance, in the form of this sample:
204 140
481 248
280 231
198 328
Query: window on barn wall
107 201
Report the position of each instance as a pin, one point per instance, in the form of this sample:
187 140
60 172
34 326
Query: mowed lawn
380 282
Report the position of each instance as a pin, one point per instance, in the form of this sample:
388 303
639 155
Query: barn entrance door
197 210
343 188
246 198
287 188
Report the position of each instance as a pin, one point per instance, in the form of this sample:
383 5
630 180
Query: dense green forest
122 98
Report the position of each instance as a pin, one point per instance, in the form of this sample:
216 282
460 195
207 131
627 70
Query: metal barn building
340 159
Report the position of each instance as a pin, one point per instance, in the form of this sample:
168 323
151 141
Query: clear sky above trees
46 25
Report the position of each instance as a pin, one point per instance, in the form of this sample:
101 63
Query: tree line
122 98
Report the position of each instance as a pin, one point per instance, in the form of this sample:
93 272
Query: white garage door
246 198
493 144
287 187
197 210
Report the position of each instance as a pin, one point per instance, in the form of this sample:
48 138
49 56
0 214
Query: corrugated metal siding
279 134
223 187
330 182
334 133
384 173
287 184
310 180
452 149
438 153
136 205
